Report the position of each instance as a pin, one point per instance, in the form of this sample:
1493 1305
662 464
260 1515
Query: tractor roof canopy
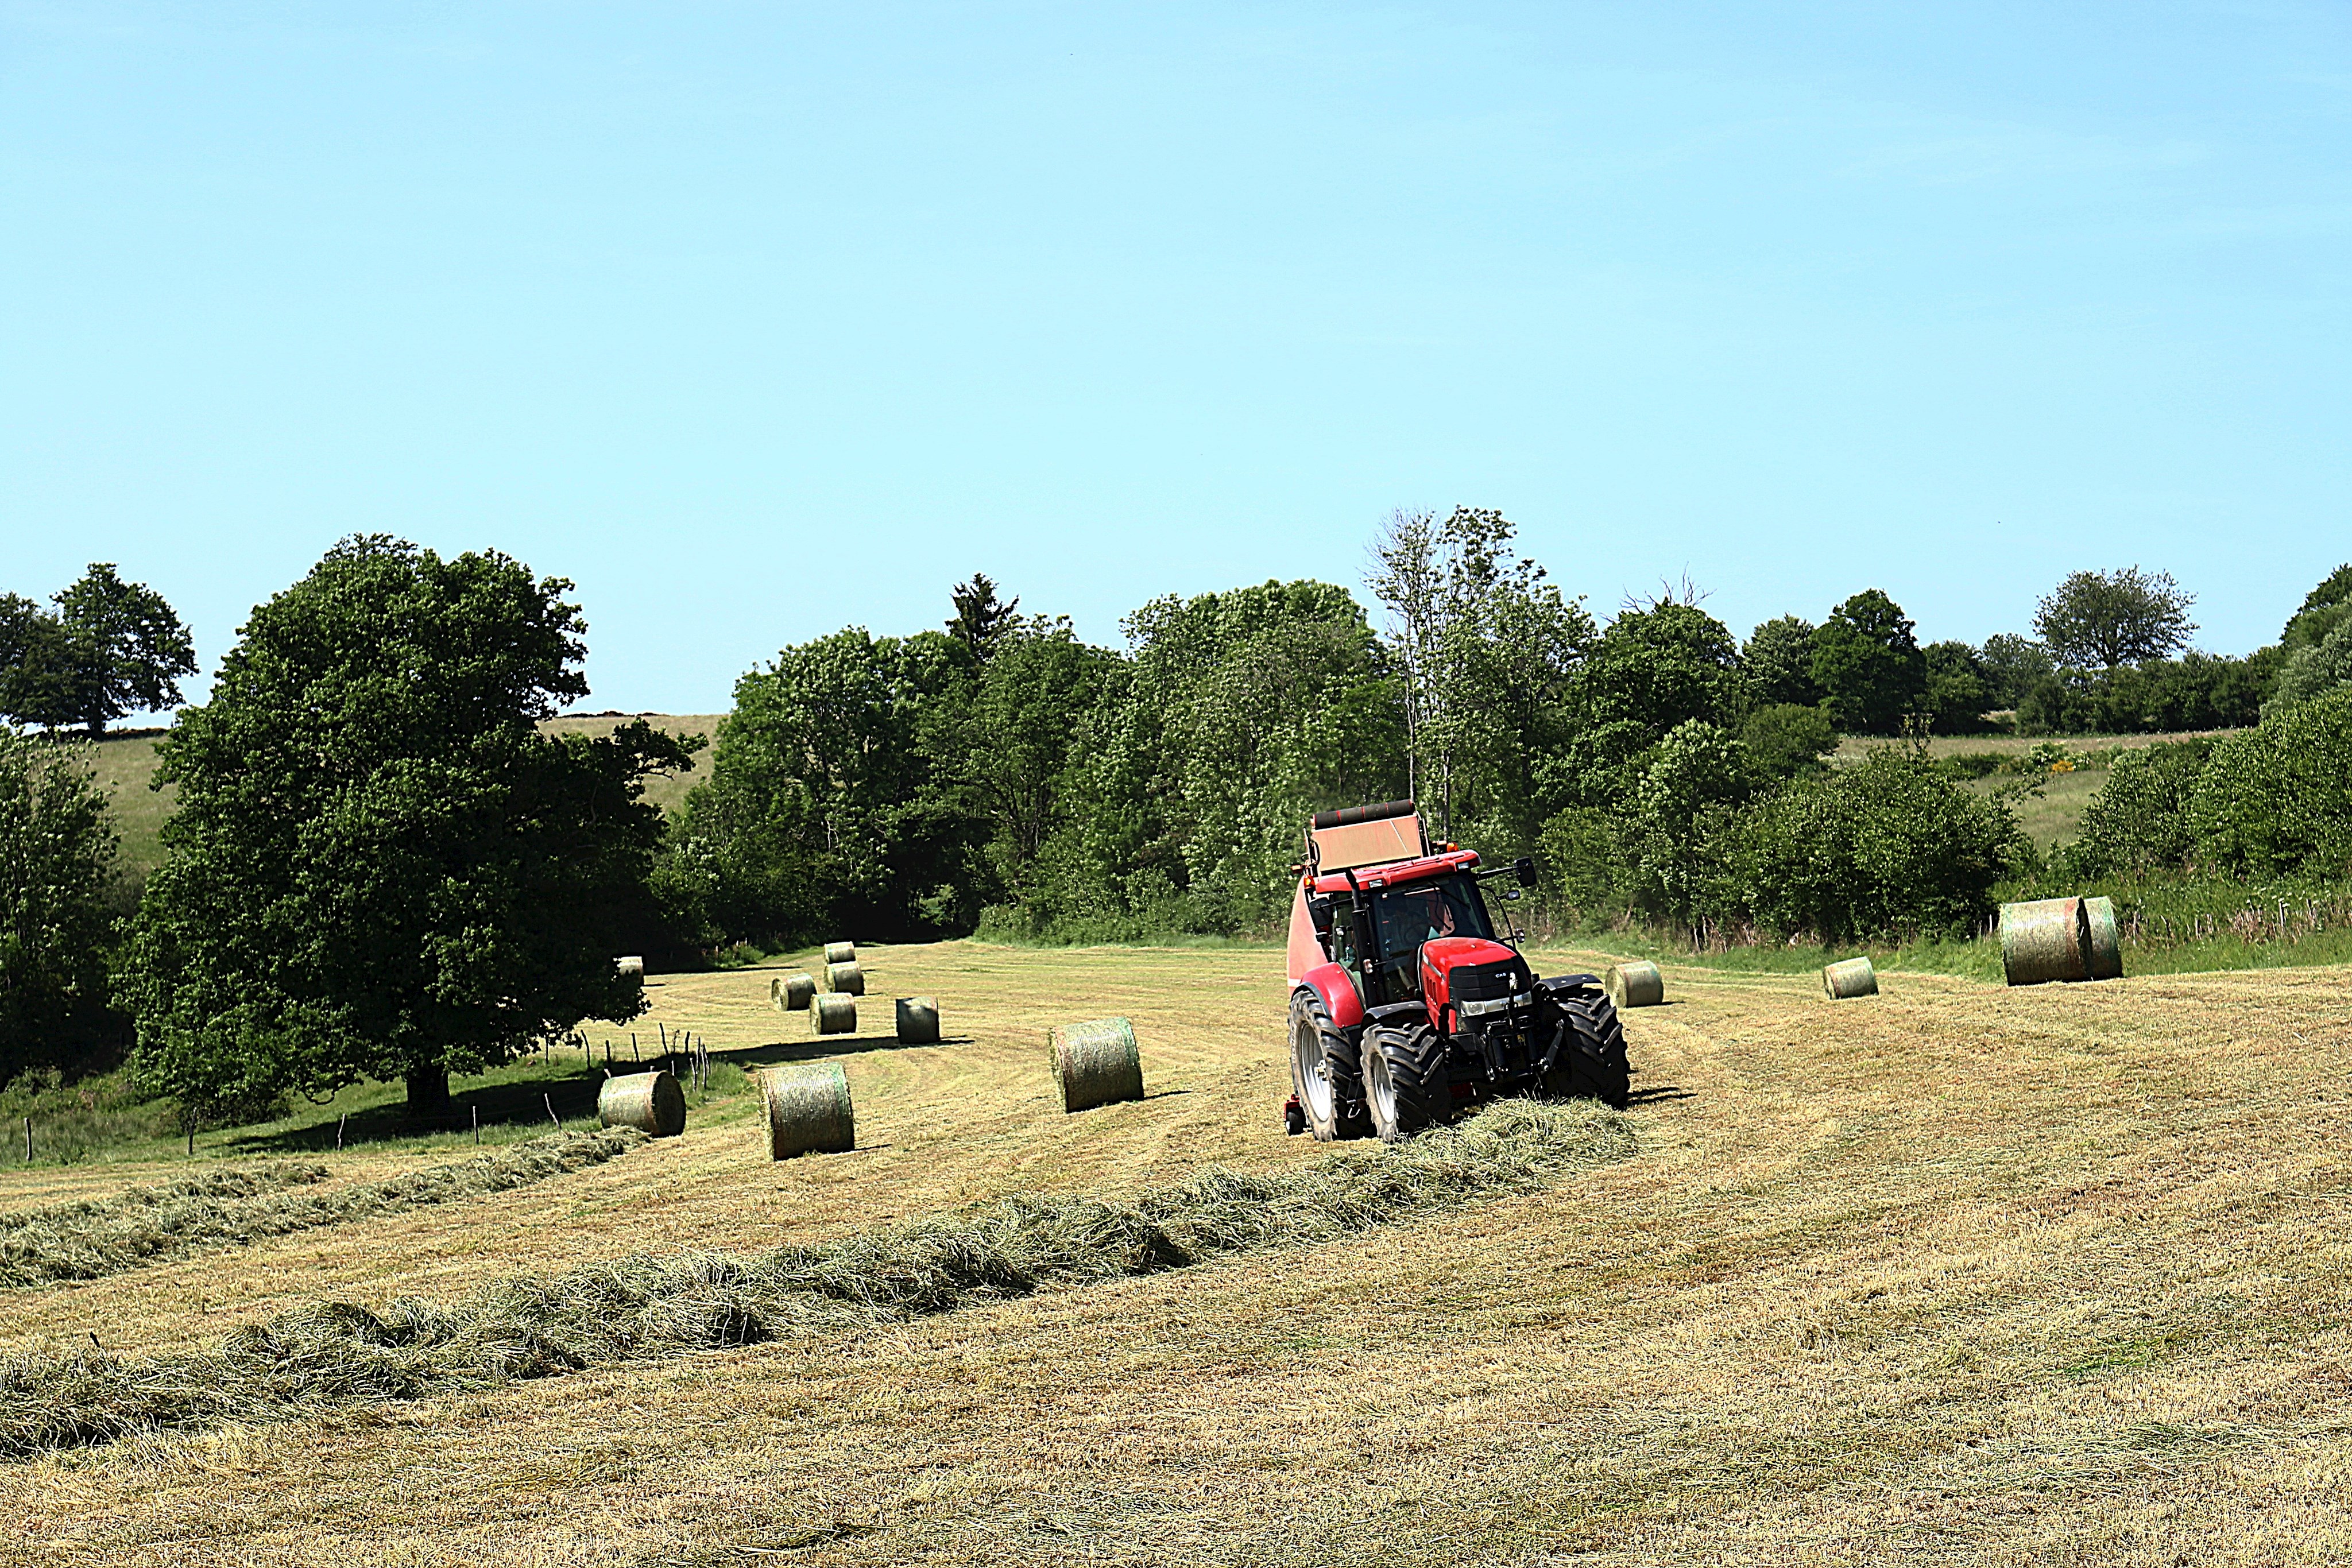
1361 836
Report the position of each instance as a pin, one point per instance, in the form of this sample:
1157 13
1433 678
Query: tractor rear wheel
1323 1072
1592 1064
1406 1086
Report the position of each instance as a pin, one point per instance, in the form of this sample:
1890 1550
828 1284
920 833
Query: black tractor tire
1323 1072
1405 1085
1591 1064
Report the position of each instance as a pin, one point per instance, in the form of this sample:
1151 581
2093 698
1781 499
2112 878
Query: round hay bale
1634 985
791 993
808 1110
1096 1063
2103 955
1849 977
833 1013
918 1020
840 952
631 965
846 978
2042 941
652 1103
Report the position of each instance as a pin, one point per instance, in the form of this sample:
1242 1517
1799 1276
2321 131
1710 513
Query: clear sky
757 320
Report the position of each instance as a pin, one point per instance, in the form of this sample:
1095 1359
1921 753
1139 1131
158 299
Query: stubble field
1956 1274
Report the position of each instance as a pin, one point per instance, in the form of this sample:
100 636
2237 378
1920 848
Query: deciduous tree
380 867
2101 619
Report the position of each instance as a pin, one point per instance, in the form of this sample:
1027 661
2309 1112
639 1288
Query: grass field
126 767
1957 1274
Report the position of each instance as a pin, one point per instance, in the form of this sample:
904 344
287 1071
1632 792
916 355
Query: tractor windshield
1447 906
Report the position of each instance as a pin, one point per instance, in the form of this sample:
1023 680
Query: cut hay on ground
330 1355
97 1237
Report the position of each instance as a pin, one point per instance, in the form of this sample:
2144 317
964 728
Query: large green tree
2100 620
835 803
1779 660
380 866
56 866
111 648
1869 665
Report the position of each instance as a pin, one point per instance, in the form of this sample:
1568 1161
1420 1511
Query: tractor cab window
1409 916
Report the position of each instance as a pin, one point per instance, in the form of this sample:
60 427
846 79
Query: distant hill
126 768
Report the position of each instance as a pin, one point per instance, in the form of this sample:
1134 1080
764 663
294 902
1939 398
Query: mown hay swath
97 1237
333 1355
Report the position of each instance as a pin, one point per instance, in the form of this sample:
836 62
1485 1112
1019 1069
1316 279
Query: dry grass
1955 1275
90 1239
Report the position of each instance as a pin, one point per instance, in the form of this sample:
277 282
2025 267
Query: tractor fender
1341 1003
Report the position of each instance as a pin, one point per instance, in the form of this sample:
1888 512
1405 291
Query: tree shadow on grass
776 1054
526 1105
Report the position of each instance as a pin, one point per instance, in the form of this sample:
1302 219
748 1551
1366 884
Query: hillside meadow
1956 1274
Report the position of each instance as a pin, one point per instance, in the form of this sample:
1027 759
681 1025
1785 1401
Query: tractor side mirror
1526 870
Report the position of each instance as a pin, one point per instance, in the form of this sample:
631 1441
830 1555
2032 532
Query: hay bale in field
631 965
833 1013
2045 940
1096 1063
840 952
1634 985
808 1110
846 978
1849 977
652 1103
918 1020
791 993
2103 955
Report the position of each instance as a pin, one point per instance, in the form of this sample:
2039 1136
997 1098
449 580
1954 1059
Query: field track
1953 1275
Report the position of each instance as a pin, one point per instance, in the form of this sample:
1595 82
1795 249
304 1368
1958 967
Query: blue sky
757 320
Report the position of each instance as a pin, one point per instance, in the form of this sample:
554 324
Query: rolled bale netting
846 978
840 952
631 965
918 1020
1635 985
833 1013
1096 1063
808 1110
1849 977
652 1103
2045 940
2103 955
791 993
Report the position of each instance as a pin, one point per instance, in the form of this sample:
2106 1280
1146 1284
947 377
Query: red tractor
1407 1007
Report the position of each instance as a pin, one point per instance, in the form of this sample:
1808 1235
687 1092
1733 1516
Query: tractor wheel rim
1314 1071
1380 1088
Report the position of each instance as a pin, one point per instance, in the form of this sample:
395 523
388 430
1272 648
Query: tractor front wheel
1323 1073
1592 1058
1404 1079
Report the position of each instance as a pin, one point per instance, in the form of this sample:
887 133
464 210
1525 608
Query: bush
2139 820
1889 847
2196 691
2277 801
1789 738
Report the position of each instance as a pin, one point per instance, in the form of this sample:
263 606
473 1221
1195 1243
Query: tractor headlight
1480 1009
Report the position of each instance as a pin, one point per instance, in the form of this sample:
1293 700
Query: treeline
1001 775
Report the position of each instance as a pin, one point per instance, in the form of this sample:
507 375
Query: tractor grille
1486 982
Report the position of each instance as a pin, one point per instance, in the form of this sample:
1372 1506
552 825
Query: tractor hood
1469 968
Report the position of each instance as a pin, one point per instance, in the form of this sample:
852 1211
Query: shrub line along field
1956 1274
